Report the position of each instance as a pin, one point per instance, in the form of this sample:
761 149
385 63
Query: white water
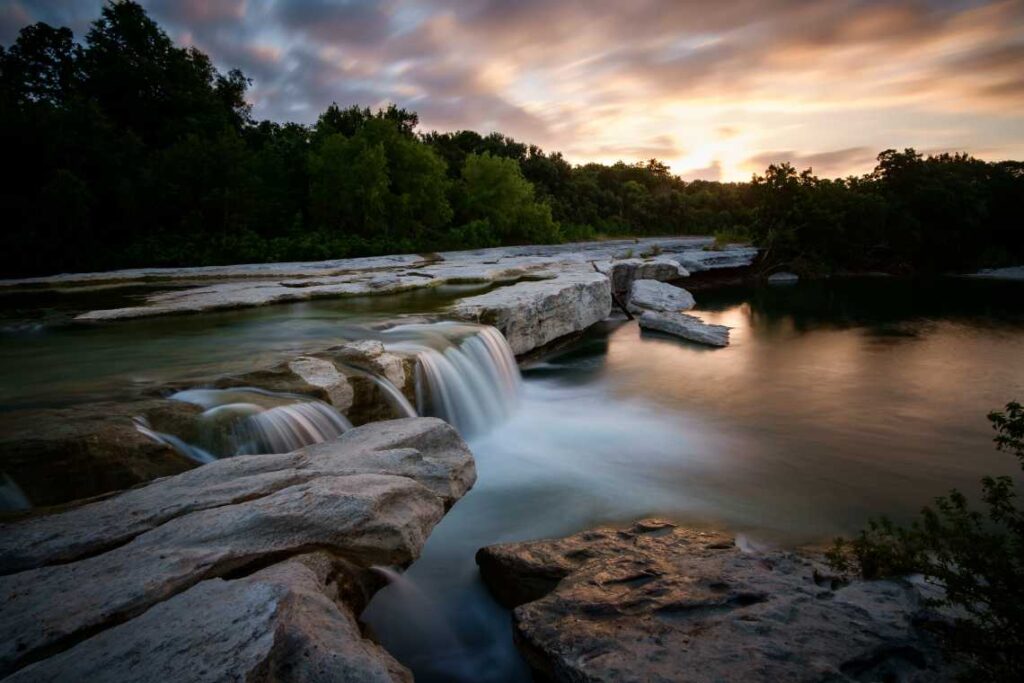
250 420
466 374
395 398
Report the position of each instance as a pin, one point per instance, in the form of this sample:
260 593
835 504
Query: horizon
715 93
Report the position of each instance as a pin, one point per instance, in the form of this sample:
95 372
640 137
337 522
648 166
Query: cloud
684 80
833 163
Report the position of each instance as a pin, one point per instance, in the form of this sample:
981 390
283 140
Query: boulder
58 455
369 498
297 627
660 603
783 278
652 295
532 314
688 327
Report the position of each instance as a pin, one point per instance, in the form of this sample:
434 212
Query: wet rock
371 497
426 450
95 448
1010 273
298 626
783 278
656 602
688 327
652 295
532 314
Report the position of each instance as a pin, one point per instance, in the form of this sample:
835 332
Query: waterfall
191 452
250 420
465 374
284 429
395 398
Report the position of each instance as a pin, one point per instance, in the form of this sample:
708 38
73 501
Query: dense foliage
123 149
976 557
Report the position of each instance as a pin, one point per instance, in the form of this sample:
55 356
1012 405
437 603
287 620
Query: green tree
495 192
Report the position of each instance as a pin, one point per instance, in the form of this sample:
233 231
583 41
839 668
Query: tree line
126 150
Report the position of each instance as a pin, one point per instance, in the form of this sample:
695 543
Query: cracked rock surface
243 568
659 603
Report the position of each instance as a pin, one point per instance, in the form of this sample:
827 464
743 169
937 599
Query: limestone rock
686 326
324 374
652 295
624 272
95 448
426 450
660 603
732 256
532 314
296 629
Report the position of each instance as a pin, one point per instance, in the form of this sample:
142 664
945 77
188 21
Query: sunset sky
717 89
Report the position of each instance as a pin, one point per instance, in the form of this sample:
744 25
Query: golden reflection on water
835 421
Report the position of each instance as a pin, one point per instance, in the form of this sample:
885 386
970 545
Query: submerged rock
658 296
175 545
783 278
686 326
657 602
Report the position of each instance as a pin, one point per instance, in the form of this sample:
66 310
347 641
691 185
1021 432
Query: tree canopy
124 150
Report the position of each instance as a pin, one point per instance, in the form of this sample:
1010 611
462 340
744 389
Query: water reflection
822 412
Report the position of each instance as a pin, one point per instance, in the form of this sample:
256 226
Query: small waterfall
11 496
284 429
189 451
395 398
466 374
249 421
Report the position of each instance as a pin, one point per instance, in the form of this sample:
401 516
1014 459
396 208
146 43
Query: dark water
835 401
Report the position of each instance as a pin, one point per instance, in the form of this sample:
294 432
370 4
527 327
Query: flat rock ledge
688 327
660 603
249 568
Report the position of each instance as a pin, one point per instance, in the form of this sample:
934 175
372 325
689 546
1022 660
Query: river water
835 401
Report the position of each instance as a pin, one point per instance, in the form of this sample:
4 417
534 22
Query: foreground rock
652 295
370 497
658 603
532 314
686 326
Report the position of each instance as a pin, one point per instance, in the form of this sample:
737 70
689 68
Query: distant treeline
125 150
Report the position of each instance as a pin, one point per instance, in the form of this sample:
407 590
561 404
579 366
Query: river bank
619 425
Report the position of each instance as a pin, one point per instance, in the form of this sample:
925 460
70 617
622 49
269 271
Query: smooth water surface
835 401
46 360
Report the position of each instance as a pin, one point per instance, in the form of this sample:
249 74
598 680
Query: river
835 401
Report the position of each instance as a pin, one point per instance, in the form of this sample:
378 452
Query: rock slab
688 327
660 603
81 586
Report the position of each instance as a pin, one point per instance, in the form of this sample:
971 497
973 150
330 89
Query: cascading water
465 374
249 421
